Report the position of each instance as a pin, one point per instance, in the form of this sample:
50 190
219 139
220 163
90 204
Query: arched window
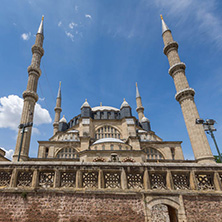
107 132
153 154
68 153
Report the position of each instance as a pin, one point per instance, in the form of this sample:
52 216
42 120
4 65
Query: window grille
153 154
68 153
107 132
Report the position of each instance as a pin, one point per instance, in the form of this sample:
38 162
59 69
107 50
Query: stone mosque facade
105 164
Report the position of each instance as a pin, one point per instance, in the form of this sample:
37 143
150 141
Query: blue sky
99 49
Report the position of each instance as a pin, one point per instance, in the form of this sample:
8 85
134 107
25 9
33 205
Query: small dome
102 108
63 119
85 104
144 119
124 104
108 140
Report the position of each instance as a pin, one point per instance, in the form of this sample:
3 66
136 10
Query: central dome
102 108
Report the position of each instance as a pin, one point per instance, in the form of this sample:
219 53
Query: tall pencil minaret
139 108
185 96
30 96
58 110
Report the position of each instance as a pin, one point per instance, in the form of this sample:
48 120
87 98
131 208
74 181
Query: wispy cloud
200 13
72 25
70 35
26 36
11 109
59 23
88 16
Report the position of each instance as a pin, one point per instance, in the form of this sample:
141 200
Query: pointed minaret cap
124 104
164 26
40 30
59 91
85 104
137 91
63 119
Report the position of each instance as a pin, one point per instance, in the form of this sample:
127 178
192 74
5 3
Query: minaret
30 96
140 107
185 96
58 110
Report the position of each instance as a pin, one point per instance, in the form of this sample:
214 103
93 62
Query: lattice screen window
205 181
68 179
107 132
5 177
153 154
46 179
135 181
112 180
68 153
158 181
181 181
24 179
90 179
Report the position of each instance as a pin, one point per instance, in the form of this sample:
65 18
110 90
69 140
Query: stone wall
203 208
73 207
47 206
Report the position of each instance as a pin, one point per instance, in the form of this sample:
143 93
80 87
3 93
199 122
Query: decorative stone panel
204 181
90 179
112 180
46 179
5 177
24 179
135 181
68 179
181 181
158 181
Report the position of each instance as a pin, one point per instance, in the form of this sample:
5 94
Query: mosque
105 164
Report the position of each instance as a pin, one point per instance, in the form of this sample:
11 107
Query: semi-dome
108 140
102 108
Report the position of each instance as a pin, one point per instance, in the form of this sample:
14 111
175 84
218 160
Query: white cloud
9 153
26 36
70 35
72 25
11 109
60 23
88 16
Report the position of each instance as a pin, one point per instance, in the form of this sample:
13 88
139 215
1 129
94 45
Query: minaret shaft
30 98
58 110
185 96
140 108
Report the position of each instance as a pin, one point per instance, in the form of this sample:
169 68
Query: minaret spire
164 26
41 30
30 97
185 96
140 107
58 110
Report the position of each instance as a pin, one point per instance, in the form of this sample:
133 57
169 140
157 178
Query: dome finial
161 17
